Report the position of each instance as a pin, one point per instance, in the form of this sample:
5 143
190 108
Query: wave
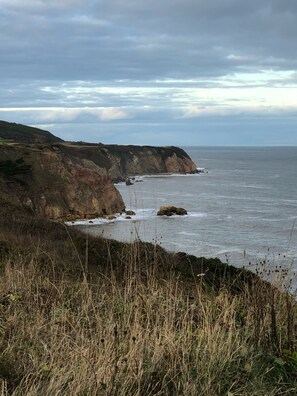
136 179
89 222
196 214
188 233
140 215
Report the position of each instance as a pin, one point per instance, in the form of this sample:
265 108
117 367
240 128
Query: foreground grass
125 320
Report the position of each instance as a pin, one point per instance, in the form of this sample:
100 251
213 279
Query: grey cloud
116 39
139 58
38 6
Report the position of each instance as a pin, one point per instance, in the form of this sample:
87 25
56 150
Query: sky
158 72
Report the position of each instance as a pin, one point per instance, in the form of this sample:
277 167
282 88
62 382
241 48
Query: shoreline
276 273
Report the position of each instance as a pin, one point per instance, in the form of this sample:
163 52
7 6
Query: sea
242 208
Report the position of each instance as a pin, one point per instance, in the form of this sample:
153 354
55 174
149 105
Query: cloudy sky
182 72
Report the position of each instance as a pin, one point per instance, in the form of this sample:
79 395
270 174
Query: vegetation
15 171
86 316
26 134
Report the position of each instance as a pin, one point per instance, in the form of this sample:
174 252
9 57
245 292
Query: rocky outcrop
55 185
171 210
130 213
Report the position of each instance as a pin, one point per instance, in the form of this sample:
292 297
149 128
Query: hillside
25 134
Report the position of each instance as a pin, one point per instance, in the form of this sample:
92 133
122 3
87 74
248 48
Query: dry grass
82 316
141 333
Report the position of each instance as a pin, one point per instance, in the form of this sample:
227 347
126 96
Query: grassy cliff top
25 134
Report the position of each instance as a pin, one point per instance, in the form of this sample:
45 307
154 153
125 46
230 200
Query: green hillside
25 134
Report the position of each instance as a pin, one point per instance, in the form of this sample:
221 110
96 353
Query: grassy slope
87 316
25 134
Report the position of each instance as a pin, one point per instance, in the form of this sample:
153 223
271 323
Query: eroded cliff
54 184
118 161
64 180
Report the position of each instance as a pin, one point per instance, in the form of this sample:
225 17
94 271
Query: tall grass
84 316
137 329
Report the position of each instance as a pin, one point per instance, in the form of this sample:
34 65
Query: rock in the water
130 213
171 210
129 182
128 217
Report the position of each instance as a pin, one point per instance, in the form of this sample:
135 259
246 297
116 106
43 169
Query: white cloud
240 58
89 21
59 114
55 115
109 113
243 93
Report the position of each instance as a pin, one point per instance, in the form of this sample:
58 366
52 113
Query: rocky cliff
63 180
118 161
55 185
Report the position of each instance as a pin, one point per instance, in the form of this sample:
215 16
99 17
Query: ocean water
242 209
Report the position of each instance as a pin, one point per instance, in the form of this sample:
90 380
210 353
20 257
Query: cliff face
118 162
55 185
62 180
69 181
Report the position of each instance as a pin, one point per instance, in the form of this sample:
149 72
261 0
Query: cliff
55 185
118 161
63 180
